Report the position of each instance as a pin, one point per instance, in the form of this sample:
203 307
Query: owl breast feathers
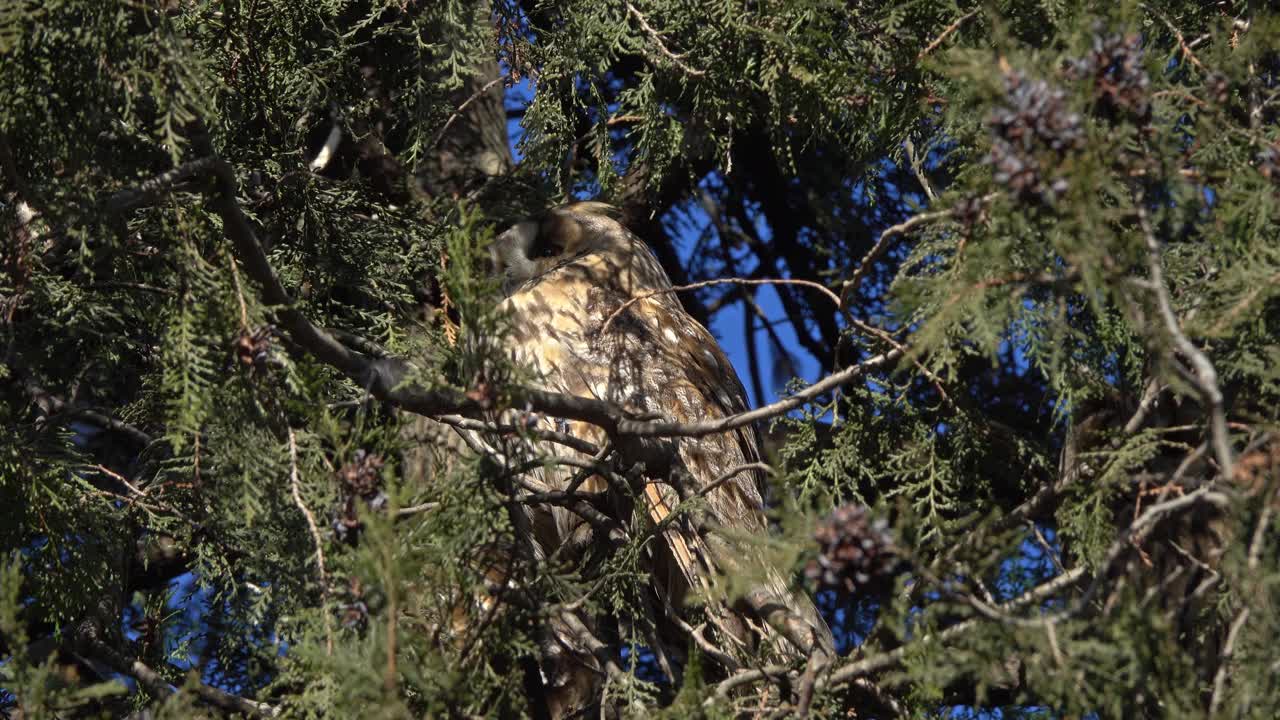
567 275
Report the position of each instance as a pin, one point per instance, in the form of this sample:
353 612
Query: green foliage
157 424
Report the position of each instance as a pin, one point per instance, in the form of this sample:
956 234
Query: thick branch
53 405
386 378
158 686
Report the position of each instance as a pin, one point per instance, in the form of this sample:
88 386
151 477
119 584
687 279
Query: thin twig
1224 660
724 659
642 428
918 170
946 32
1177 34
553 436
244 308
888 659
458 113
1237 624
1137 531
719 281
851 672
120 479
731 474
882 245
315 536
416 509
662 48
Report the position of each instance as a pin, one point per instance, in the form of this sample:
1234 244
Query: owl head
532 247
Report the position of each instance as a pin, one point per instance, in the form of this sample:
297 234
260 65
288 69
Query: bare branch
1237 624
891 658
662 48
642 428
463 106
1205 378
147 192
418 509
1177 34
120 479
559 438
917 169
946 32
1224 660
158 686
53 405
882 246
853 671
315 537
719 281
731 474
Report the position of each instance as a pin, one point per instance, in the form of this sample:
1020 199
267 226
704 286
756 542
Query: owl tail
788 622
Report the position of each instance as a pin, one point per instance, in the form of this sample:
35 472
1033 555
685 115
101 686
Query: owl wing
653 357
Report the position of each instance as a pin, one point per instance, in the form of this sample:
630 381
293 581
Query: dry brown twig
882 245
462 108
675 58
315 536
1177 34
946 32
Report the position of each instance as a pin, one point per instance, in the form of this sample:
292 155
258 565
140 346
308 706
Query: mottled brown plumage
566 274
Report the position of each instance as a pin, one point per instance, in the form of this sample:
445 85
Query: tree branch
53 405
662 48
386 378
1205 378
718 281
158 686
315 537
882 246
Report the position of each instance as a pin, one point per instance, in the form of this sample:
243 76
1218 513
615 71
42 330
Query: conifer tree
1005 277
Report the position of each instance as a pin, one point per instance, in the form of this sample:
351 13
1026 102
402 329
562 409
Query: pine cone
855 552
1218 87
253 349
1121 84
361 476
361 482
1036 119
1269 163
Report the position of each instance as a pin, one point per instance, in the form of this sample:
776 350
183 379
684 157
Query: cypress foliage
244 295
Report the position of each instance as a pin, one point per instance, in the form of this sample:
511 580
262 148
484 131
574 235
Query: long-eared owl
567 274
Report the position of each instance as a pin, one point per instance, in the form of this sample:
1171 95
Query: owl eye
544 247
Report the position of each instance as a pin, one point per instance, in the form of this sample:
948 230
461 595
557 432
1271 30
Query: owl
592 314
